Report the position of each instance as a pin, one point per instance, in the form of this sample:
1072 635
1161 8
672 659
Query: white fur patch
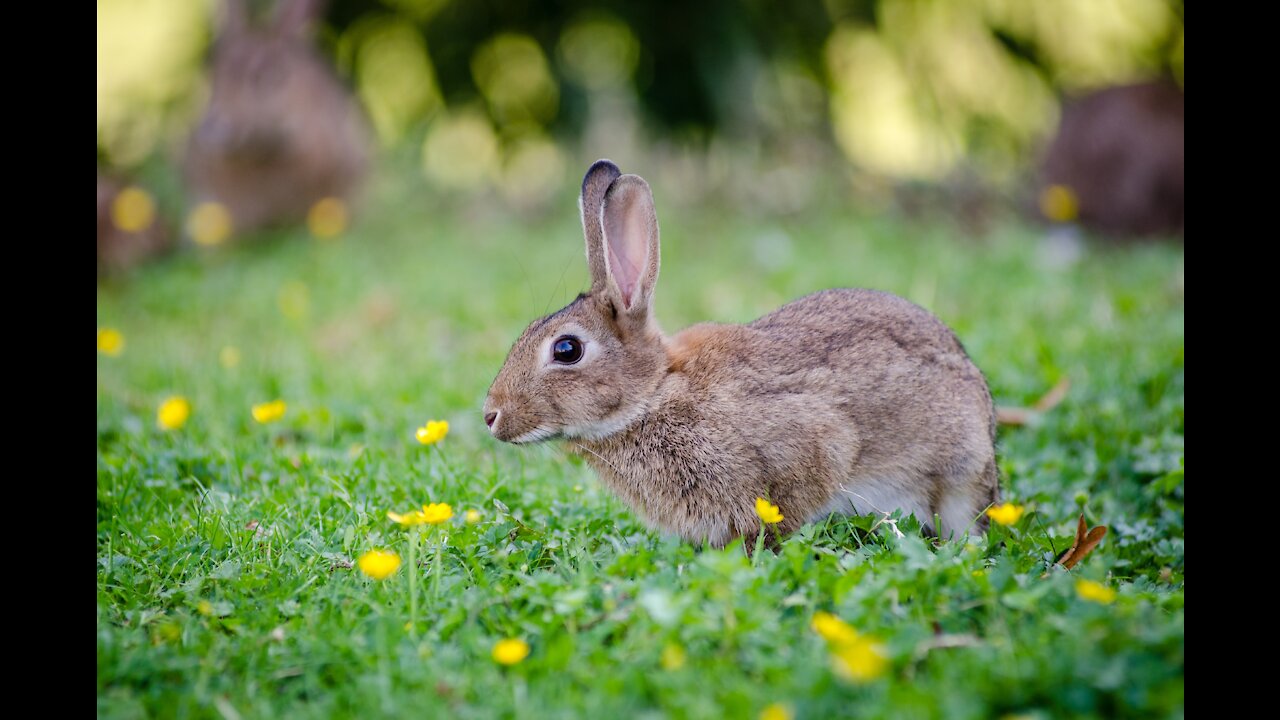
958 514
533 435
874 496
601 429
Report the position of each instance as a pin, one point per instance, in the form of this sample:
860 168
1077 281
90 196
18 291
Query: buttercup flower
327 218
767 511
209 223
473 517
833 628
409 519
173 413
229 357
776 711
436 513
1095 592
510 651
859 661
110 342
1006 513
269 411
379 565
433 432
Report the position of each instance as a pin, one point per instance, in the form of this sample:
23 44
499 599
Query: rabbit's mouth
540 434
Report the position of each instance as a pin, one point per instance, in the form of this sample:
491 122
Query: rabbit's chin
541 434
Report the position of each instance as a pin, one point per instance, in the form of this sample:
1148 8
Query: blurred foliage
910 89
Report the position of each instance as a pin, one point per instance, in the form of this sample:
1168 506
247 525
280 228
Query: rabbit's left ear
630 226
298 17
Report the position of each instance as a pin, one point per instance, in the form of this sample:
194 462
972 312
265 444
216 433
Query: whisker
602 458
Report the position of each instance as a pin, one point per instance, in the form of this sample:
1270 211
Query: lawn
225 578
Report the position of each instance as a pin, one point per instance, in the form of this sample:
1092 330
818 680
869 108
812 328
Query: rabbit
844 401
1121 152
280 131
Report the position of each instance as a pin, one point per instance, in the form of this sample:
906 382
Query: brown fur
841 401
1121 151
280 131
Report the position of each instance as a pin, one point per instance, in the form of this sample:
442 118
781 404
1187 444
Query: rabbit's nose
490 418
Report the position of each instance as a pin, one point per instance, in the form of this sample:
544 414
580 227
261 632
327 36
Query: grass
224 586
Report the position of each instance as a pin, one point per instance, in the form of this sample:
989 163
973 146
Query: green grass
200 613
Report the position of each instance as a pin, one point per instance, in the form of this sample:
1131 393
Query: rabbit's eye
567 350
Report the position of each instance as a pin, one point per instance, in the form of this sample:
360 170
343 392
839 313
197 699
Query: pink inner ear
627 239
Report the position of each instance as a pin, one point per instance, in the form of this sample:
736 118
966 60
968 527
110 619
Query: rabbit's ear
599 176
631 241
298 17
233 18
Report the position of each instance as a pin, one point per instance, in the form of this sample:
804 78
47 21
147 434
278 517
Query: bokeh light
598 52
327 218
512 74
394 75
461 150
133 210
209 223
148 61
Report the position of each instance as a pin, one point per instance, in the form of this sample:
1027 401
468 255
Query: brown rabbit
280 132
1120 150
842 401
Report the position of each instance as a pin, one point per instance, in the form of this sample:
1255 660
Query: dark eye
566 350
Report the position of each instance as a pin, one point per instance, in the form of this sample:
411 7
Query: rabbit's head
265 81
587 370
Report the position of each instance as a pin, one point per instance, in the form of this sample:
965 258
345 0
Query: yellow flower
436 513
1097 592
379 565
776 711
673 657
409 519
110 342
433 432
229 357
767 511
209 223
510 651
269 411
1005 513
133 209
1059 203
204 607
860 661
833 628
173 413
327 218
473 517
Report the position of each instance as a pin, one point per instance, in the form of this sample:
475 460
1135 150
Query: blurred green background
743 100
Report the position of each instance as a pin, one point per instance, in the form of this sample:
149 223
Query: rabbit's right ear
601 174
233 18
297 18
631 243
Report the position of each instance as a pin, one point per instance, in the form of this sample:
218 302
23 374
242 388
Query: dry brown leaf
1085 542
1018 416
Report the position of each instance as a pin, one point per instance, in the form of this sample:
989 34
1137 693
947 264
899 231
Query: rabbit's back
841 401
893 368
